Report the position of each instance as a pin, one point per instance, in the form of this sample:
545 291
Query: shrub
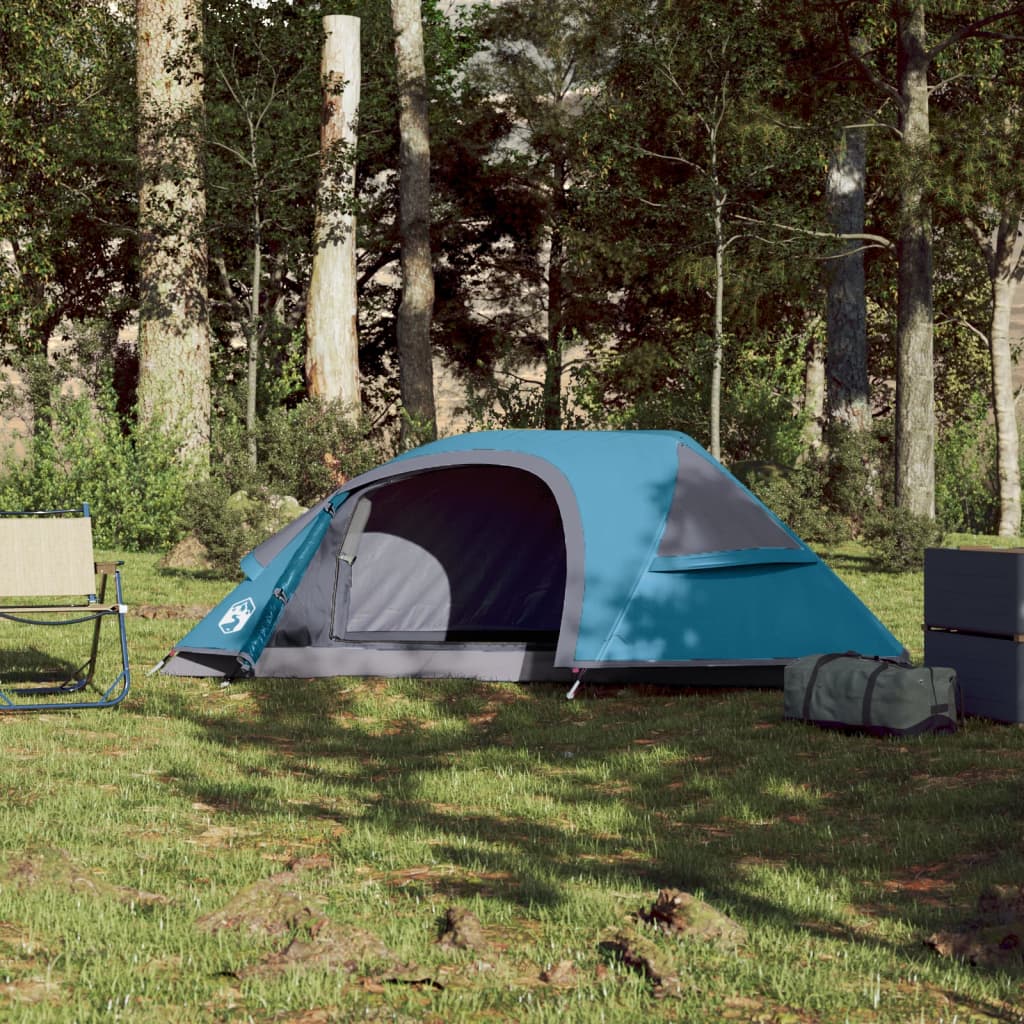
304 453
794 495
966 490
897 538
85 453
310 450
855 474
229 524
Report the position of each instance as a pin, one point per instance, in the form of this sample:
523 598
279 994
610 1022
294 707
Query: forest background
791 230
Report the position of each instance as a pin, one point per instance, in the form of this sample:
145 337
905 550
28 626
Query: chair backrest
42 556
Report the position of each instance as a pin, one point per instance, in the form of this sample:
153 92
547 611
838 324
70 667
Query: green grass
552 821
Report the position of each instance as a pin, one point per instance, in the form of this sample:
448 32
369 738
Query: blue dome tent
532 555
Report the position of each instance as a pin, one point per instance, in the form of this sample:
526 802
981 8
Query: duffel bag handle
823 660
869 692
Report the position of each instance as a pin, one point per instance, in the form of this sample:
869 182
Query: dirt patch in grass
328 946
461 929
54 870
995 938
974 777
448 881
171 611
27 991
272 906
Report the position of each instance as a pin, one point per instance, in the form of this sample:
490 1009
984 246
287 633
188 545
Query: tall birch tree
332 338
174 344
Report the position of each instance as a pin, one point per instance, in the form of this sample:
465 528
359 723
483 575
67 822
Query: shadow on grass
709 792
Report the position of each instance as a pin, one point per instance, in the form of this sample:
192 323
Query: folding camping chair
48 555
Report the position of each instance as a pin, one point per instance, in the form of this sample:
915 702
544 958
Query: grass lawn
287 850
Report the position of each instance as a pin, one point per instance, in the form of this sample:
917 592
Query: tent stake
577 682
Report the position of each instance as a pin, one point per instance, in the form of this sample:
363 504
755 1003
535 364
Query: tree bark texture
332 341
174 343
1004 252
416 372
848 399
814 394
553 362
915 383
719 326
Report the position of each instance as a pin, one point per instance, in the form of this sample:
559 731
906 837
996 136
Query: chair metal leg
113 695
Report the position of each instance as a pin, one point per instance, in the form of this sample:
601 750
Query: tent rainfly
532 555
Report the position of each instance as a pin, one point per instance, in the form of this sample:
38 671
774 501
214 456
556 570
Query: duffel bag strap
823 660
869 692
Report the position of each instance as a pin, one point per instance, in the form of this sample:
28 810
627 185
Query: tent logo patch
237 616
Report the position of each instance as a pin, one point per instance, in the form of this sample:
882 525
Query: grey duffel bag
846 691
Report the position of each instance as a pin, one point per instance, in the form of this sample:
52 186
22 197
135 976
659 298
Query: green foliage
795 496
654 385
66 170
130 477
763 388
227 523
856 473
966 491
897 538
649 385
305 453
832 495
311 450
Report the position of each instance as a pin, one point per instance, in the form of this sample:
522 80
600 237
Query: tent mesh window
710 512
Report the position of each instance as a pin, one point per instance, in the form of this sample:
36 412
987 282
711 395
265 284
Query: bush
230 524
794 495
897 538
311 450
85 453
304 453
856 474
966 489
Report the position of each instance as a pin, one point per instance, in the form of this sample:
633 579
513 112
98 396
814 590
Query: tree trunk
846 356
915 384
719 329
332 341
174 343
255 329
814 395
553 353
415 364
1005 257
556 301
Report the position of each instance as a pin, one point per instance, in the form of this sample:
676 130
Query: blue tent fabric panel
728 614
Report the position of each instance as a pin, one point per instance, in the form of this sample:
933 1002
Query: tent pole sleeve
286 585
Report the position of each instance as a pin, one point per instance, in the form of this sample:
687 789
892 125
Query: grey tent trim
491 661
